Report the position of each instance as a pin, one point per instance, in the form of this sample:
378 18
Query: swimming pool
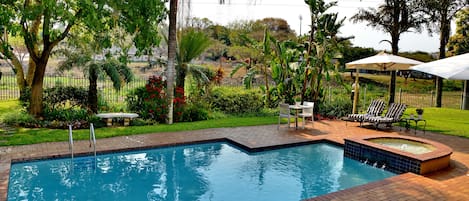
212 171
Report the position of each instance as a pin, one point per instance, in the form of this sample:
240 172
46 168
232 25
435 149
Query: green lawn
445 120
32 136
442 120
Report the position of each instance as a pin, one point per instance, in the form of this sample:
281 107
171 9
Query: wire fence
9 90
450 99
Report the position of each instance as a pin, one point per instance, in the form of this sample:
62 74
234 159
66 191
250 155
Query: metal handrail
70 140
93 139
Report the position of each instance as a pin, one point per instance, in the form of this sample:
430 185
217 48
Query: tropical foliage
79 52
44 24
190 46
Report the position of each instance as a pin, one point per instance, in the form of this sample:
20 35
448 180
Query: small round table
416 120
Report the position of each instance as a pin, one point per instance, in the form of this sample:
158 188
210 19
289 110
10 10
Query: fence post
400 95
431 100
364 96
461 107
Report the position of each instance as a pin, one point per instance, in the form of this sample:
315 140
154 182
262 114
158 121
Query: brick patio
449 184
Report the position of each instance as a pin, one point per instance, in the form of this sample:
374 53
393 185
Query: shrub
236 100
66 105
151 101
65 96
336 108
20 119
195 112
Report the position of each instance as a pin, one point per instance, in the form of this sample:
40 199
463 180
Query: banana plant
322 48
286 70
260 67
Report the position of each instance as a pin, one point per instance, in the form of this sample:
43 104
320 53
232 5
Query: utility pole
301 19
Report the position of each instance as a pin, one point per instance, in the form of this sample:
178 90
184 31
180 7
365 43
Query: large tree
170 71
440 13
394 17
459 42
43 24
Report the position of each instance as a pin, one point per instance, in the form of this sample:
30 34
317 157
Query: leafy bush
336 108
151 101
236 100
195 112
63 106
65 96
65 114
19 119
452 85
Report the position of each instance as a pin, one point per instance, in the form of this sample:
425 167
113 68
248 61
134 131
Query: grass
33 136
8 106
445 120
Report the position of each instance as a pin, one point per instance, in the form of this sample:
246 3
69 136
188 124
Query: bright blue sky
290 10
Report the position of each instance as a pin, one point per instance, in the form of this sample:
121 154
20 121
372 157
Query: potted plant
419 112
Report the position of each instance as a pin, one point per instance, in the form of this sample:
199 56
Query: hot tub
398 153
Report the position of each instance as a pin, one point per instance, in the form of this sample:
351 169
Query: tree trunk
444 37
392 82
93 90
171 57
37 89
181 75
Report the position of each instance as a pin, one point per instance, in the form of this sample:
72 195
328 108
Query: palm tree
191 45
115 70
440 13
170 76
394 17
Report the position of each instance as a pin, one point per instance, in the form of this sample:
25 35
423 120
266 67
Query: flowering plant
151 101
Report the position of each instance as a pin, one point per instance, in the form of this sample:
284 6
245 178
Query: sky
291 10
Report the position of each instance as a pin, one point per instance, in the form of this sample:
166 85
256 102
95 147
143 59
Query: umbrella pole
465 96
355 95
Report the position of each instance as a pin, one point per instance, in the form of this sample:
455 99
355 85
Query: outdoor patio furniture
307 111
284 113
393 115
375 108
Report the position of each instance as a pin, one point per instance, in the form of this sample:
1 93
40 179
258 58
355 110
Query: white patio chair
284 113
308 111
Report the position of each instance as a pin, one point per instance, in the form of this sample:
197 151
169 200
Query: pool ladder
92 139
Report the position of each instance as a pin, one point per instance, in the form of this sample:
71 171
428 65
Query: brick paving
449 184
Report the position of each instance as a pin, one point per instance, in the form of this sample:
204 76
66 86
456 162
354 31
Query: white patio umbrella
383 62
452 68
380 62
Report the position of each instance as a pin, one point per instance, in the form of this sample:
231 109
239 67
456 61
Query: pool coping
250 138
226 140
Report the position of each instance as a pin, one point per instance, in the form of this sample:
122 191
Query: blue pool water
213 171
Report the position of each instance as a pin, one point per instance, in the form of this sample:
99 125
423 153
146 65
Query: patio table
296 107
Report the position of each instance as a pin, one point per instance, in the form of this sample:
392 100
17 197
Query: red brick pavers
449 184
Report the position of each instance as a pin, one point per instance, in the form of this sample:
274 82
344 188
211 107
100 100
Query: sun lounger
393 115
375 108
